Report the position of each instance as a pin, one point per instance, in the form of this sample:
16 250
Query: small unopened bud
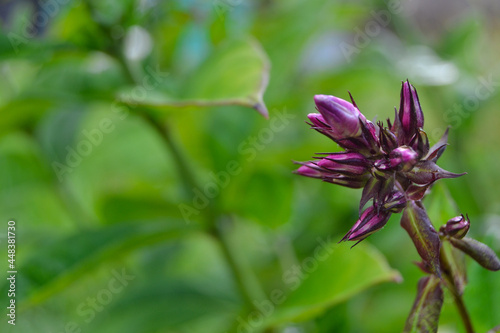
340 115
370 221
403 157
410 112
351 158
456 227
318 121
350 163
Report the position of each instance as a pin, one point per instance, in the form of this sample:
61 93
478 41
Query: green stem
245 279
450 269
182 165
463 312
124 65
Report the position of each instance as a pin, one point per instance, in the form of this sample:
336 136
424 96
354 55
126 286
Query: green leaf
424 315
416 222
187 288
59 263
494 329
22 111
268 196
333 274
168 306
236 73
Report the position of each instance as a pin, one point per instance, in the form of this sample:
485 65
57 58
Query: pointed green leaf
424 315
236 73
416 222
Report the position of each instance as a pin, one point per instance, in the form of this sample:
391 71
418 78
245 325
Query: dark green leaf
55 266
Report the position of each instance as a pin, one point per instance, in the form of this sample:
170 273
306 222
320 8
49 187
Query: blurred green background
150 195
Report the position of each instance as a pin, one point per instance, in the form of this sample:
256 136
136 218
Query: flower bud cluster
393 164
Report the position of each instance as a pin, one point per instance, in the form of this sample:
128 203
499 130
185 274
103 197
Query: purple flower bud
351 158
394 165
350 163
369 222
309 170
403 157
318 120
351 182
319 124
340 115
343 176
388 140
456 227
410 112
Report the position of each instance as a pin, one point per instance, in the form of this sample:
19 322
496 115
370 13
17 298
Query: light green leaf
332 275
236 73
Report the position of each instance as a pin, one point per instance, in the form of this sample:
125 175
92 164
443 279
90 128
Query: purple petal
341 115
350 158
309 170
330 163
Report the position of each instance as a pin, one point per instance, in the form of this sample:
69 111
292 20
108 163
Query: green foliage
332 282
